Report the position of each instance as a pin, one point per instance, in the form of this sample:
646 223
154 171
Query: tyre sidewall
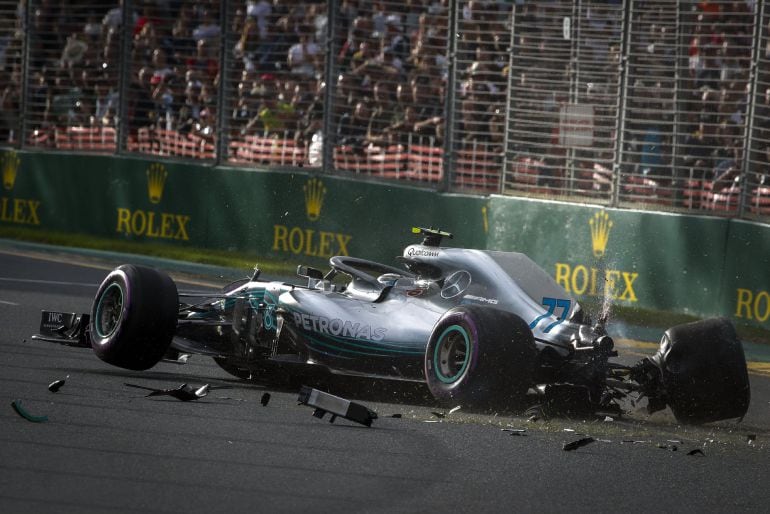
500 358
703 368
452 389
104 346
147 320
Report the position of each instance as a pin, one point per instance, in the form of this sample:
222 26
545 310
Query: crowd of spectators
696 125
263 64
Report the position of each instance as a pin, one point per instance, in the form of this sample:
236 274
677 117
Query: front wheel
480 356
703 370
133 317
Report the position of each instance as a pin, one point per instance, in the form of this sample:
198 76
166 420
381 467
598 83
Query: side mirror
308 272
313 276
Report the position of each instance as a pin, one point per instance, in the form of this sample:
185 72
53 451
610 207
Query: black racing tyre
133 317
480 357
704 373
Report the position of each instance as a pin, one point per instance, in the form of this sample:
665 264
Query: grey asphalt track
108 448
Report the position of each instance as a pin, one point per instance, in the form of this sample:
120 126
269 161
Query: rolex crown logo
156 180
600 232
10 165
314 198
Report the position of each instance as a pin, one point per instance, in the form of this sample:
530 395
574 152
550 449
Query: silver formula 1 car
480 327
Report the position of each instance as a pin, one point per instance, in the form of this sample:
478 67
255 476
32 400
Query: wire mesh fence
659 103
11 69
563 102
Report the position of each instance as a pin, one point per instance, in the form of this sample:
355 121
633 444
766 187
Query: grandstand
661 105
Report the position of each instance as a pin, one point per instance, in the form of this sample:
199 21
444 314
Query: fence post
124 76
329 140
677 114
22 124
508 103
748 135
620 124
449 101
574 84
222 142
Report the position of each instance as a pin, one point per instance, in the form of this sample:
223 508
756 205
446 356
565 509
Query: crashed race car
481 328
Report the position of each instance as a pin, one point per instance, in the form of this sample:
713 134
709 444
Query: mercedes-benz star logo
455 284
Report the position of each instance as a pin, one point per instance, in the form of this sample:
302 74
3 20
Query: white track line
9 303
46 282
81 264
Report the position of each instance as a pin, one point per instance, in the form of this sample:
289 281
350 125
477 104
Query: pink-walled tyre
480 357
133 317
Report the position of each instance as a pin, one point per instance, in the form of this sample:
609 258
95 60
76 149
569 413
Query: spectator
259 12
182 44
246 107
381 68
10 108
381 115
273 54
311 117
190 114
304 57
316 18
141 112
248 46
393 39
208 28
361 58
275 115
352 127
105 102
74 51
361 30
161 69
206 60
429 103
652 162
65 100
114 18
401 129
163 96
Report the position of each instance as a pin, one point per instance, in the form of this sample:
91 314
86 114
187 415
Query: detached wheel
704 371
133 317
480 356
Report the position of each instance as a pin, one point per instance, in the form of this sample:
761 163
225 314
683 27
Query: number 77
552 304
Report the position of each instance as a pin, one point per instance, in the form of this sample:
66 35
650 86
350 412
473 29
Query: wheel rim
109 311
452 353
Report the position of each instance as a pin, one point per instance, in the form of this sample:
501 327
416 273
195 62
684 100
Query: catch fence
633 103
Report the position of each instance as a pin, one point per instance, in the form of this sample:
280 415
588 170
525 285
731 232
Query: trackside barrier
700 265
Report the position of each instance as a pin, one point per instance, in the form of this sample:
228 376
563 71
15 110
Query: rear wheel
480 356
704 373
133 317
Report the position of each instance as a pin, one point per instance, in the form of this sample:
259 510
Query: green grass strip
227 259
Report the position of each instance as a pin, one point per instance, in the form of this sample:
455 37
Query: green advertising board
746 276
277 215
632 258
686 264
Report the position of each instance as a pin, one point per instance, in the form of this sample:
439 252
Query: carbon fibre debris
57 384
574 445
183 393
